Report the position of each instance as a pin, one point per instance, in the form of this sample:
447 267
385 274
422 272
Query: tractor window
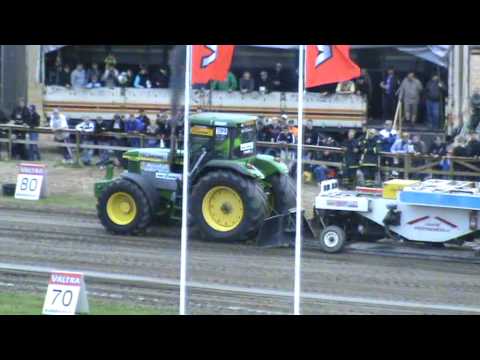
200 137
222 142
244 141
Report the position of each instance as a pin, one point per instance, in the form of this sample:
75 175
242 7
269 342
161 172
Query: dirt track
80 243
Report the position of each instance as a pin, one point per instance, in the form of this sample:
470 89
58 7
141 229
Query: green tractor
233 190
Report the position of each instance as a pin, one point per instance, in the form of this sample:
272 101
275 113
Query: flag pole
186 129
299 220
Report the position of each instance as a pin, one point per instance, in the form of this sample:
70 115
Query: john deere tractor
232 188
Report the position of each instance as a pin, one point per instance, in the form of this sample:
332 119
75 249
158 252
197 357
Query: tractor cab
222 136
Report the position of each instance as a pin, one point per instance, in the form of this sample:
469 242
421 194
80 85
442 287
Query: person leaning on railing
103 126
87 129
473 149
20 116
438 150
458 149
58 124
118 127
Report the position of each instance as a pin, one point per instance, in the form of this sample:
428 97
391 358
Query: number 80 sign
30 182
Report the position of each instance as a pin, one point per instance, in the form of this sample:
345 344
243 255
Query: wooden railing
410 164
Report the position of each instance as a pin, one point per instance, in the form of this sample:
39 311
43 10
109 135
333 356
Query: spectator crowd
108 76
362 158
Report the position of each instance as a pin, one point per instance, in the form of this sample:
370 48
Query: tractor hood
152 155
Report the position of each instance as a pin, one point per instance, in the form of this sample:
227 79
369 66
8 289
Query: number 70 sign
66 295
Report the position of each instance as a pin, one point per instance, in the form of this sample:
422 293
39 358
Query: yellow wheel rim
121 208
223 209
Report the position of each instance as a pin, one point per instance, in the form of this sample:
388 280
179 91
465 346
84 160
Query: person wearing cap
33 122
58 123
370 147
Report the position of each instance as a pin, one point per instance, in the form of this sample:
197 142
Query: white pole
186 128
298 235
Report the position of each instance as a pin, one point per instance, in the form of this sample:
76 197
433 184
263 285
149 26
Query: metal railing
407 164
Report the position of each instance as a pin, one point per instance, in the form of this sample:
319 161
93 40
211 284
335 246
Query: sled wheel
332 239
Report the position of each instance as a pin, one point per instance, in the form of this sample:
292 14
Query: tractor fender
241 169
147 187
269 166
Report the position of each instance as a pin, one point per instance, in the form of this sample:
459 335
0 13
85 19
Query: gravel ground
80 243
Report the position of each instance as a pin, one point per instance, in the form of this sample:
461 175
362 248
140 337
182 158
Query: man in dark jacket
247 84
20 116
438 148
280 79
103 126
285 137
473 145
160 78
264 83
351 159
370 147
435 92
118 127
32 122
389 87
65 77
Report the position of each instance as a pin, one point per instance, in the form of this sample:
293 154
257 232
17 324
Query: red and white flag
327 64
211 62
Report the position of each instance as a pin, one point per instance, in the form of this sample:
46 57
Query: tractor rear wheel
124 209
284 194
228 206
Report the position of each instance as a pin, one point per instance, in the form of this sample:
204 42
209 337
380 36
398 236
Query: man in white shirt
87 128
388 136
58 123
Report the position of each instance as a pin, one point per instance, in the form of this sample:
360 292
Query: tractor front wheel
124 209
228 206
